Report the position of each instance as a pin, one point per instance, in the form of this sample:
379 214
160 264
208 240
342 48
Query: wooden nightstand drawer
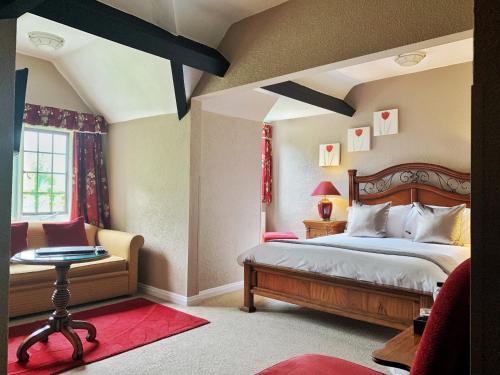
318 228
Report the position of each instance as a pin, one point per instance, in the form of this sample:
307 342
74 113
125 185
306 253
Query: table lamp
325 205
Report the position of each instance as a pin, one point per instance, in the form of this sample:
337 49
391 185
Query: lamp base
325 209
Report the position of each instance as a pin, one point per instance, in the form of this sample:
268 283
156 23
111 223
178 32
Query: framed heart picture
385 122
358 139
329 155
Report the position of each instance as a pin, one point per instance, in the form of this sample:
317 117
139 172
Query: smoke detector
410 59
46 41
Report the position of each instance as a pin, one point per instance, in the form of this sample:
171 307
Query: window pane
28 203
59 163
60 143
30 141
30 162
59 183
44 162
44 142
59 203
29 182
44 182
44 203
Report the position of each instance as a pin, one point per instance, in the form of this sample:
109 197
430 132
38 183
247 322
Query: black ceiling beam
307 95
16 8
180 89
110 23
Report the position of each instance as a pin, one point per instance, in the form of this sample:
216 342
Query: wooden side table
60 320
399 351
318 228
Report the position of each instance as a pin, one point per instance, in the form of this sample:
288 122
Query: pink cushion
318 365
71 233
269 236
18 237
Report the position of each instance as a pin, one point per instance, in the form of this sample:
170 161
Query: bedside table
318 228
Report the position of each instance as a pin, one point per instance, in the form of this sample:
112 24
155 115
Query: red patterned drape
90 186
267 164
63 118
90 197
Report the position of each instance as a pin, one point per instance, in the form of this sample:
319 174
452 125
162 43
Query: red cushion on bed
71 233
18 237
269 236
444 347
318 365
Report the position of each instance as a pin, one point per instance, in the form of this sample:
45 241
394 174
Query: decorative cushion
368 220
71 233
269 236
316 364
439 224
396 221
18 237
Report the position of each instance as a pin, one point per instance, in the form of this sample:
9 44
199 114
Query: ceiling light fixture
46 41
410 59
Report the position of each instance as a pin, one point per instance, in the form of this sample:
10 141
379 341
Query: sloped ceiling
337 83
124 84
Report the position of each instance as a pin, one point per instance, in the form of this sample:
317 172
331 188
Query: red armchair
443 350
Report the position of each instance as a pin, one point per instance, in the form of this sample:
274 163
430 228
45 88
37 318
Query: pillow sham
368 220
396 220
438 224
18 238
71 233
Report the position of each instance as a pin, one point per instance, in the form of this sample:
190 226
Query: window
41 189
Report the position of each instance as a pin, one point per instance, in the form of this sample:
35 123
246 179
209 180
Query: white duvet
330 258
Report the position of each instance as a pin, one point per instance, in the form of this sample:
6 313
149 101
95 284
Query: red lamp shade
325 205
325 188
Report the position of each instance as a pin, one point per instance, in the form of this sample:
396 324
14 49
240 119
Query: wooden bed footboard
384 305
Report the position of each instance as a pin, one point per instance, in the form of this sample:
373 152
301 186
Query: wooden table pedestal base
60 321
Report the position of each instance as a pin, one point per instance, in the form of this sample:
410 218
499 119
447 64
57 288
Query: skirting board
189 301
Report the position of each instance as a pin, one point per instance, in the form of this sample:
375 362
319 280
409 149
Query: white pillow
465 228
396 221
368 220
439 224
411 225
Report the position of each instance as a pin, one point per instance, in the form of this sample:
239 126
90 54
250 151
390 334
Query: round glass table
60 320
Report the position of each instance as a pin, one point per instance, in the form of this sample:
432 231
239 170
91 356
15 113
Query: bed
335 274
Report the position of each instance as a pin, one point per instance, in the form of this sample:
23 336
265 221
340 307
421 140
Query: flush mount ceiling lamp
46 41
410 59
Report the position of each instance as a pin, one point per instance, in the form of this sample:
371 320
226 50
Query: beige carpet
240 343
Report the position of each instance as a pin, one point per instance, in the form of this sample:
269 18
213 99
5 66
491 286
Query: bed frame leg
248 304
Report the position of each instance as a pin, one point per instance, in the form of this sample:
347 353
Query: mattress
396 262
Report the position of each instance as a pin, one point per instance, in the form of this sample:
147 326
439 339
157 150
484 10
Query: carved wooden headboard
411 182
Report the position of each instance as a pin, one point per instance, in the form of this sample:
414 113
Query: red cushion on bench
318 365
268 236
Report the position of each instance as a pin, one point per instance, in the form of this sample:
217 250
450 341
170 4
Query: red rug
120 327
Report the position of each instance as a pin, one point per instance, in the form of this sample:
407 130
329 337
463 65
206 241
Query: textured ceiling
124 84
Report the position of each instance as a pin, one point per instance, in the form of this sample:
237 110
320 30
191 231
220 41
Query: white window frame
18 169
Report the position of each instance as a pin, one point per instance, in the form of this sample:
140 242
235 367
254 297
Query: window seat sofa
31 287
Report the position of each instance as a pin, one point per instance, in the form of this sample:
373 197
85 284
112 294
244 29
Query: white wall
435 124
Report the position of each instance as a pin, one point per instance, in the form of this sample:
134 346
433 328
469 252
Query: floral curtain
65 119
267 164
90 197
